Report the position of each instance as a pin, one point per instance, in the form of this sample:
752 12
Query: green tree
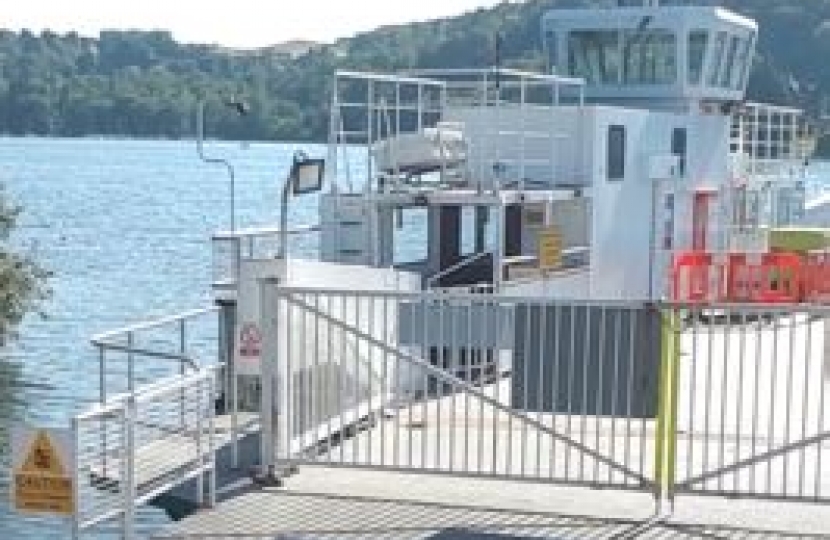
23 282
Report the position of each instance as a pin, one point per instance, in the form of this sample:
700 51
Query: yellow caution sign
42 469
550 249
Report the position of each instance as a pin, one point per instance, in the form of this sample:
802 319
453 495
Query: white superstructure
637 145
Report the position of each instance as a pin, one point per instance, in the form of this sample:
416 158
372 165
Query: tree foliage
23 282
145 84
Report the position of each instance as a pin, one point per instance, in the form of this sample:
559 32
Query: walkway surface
337 503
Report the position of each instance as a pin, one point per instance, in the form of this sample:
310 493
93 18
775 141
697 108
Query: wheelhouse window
731 56
717 59
551 51
744 62
595 56
616 153
698 41
649 57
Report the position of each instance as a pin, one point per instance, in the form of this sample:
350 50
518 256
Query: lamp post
242 109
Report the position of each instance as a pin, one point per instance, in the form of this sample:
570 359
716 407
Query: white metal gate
752 415
477 385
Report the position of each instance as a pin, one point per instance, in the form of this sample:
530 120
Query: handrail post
182 351
130 363
229 331
76 480
211 442
270 307
102 398
128 467
226 349
200 433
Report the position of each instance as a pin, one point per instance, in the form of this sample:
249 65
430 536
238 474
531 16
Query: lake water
125 226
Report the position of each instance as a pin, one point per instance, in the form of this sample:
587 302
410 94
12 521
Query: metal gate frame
665 480
781 360
284 447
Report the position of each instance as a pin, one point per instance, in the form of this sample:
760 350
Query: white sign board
43 464
248 342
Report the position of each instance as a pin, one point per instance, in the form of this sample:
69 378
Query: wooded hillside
145 84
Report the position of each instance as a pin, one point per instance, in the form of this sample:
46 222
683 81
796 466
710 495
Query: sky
233 23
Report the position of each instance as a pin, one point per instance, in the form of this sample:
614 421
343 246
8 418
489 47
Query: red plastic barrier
693 279
783 279
769 278
775 278
817 277
738 281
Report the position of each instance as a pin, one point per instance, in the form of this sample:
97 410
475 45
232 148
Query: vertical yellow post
671 424
659 437
666 430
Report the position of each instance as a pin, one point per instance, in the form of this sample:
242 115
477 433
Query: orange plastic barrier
783 279
694 277
817 277
739 282
768 278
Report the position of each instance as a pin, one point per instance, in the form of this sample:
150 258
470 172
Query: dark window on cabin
698 41
616 153
678 148
552 51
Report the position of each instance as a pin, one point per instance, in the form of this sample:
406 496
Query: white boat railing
229 249
771 140
370 110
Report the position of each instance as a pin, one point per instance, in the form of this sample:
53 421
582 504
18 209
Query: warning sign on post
550 249
250 341
42 466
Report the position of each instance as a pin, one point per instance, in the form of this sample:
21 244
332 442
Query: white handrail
457 266
263 231
102 338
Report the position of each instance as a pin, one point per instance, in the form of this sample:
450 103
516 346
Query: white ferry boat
614 289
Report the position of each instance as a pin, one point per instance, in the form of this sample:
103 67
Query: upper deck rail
392 115
230 248
771 140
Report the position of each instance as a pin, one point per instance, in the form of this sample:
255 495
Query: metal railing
772 140
255 243
152 427
149 351
751 416
436 278
142 444
514 149
668 399
466 384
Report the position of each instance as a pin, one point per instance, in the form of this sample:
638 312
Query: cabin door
702 219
